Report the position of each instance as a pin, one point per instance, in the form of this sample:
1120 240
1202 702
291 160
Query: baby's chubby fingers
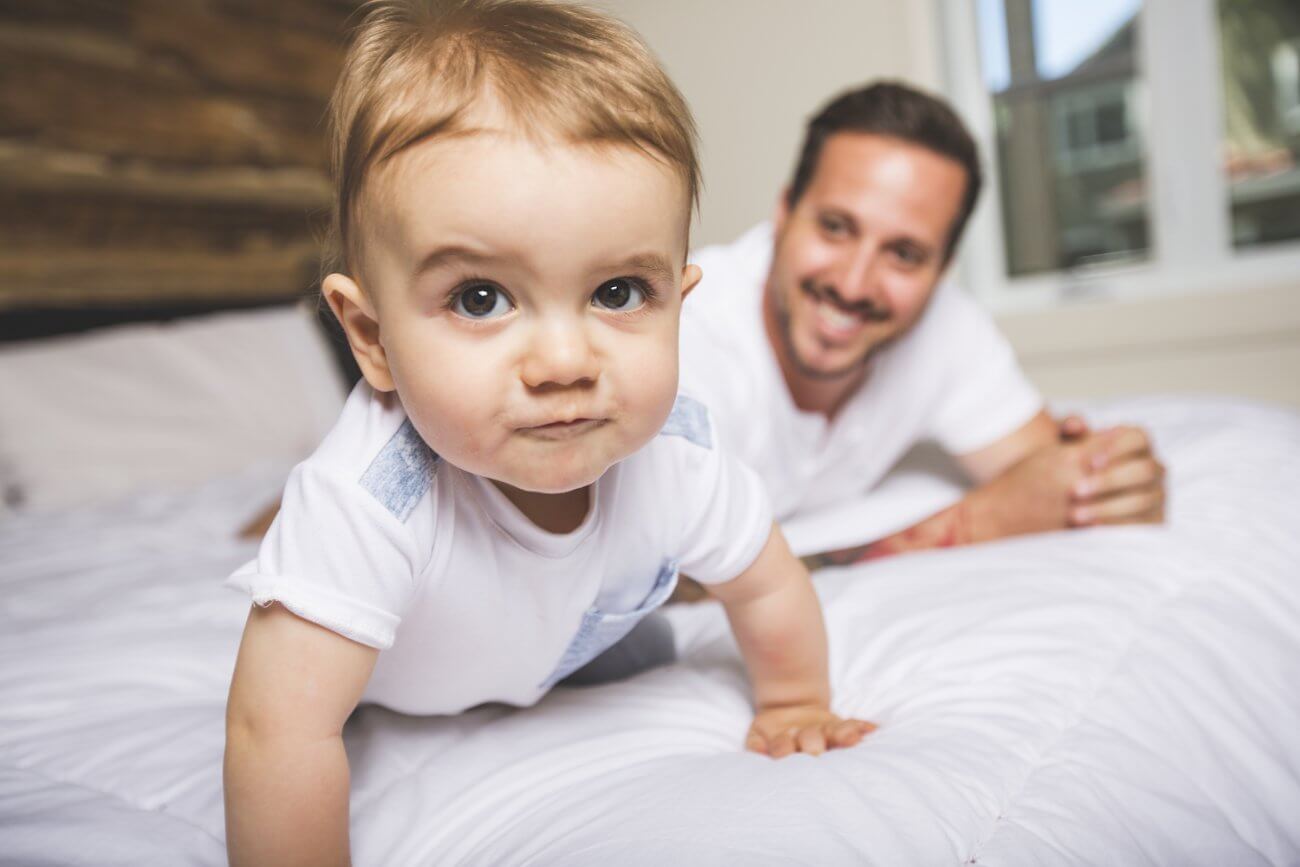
847 733
811 740
780 732
782 745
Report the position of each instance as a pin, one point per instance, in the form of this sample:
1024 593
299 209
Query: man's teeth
836 319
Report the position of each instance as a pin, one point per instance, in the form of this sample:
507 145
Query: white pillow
85 419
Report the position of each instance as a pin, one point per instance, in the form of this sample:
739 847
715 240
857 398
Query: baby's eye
481 301
621 293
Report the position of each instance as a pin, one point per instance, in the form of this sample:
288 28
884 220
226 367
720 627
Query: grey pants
648 645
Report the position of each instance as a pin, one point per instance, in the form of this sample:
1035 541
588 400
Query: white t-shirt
380 540
951 378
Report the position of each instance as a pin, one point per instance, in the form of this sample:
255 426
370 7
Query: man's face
858 256
528 299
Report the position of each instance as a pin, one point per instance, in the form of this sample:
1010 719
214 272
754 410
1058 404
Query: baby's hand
805 728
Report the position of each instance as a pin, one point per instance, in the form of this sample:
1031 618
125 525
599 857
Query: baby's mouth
563 429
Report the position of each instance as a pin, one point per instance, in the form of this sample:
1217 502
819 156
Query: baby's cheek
649 383
452 423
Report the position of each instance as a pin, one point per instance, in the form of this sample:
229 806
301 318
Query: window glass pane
1260 42
1063 76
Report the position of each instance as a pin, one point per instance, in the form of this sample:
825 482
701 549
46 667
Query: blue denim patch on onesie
689 419
600 631
402 472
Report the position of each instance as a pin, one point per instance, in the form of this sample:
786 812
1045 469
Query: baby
515 483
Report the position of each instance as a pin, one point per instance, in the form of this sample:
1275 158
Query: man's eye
832 226
621 294
910 255
481 301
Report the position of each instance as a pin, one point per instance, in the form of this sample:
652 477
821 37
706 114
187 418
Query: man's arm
992 461
1044 476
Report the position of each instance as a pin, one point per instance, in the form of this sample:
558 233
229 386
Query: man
826 346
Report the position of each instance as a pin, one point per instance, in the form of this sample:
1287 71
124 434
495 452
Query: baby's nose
560 355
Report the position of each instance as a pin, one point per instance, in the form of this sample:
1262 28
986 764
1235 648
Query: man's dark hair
895 110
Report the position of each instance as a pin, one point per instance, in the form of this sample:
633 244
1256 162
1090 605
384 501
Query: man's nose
560 354
856 280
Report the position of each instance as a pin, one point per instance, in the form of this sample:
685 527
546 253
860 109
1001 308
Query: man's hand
781 731
1123 483
1050 475
1072 427
1102 477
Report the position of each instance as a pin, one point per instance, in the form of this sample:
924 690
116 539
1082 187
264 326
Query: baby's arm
777 620
286 774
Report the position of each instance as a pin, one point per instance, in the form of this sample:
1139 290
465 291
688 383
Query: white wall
754 71
1245 343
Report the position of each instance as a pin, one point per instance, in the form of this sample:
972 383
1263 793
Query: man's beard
785 327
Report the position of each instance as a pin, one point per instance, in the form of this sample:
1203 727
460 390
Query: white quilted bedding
1123 696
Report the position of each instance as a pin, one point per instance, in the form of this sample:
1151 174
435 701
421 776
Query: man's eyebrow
838 213
903 236
913 241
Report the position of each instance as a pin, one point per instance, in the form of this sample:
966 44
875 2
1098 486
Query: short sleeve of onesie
342 552
726 515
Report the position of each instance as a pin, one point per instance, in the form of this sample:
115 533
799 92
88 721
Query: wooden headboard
161 158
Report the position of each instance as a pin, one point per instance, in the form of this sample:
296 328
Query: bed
1112 696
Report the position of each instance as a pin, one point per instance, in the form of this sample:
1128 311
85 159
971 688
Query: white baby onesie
381 541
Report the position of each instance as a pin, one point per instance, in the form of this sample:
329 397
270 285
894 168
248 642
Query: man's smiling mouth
839 312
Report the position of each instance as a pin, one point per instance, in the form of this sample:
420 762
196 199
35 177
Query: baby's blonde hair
416 67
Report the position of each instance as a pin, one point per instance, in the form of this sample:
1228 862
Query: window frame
1180 119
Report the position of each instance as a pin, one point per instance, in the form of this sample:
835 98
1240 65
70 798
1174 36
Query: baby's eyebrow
652 264
648 263
448 254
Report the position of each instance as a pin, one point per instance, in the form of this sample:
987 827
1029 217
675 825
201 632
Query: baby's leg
648 645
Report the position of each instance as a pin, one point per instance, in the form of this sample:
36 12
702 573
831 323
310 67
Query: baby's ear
356 314
691 275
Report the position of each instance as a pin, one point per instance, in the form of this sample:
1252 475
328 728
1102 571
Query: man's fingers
1128 508
756 743
1113 446
1072 427
1131 474
812 741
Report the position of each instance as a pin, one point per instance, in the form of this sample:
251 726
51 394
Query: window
1133 146
1286 81
1259 43
1063 79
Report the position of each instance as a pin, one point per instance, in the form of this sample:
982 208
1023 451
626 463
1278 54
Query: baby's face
528 300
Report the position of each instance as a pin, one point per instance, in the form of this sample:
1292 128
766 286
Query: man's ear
356 314
782 211
691 275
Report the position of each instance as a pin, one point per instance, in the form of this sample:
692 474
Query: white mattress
1121 696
